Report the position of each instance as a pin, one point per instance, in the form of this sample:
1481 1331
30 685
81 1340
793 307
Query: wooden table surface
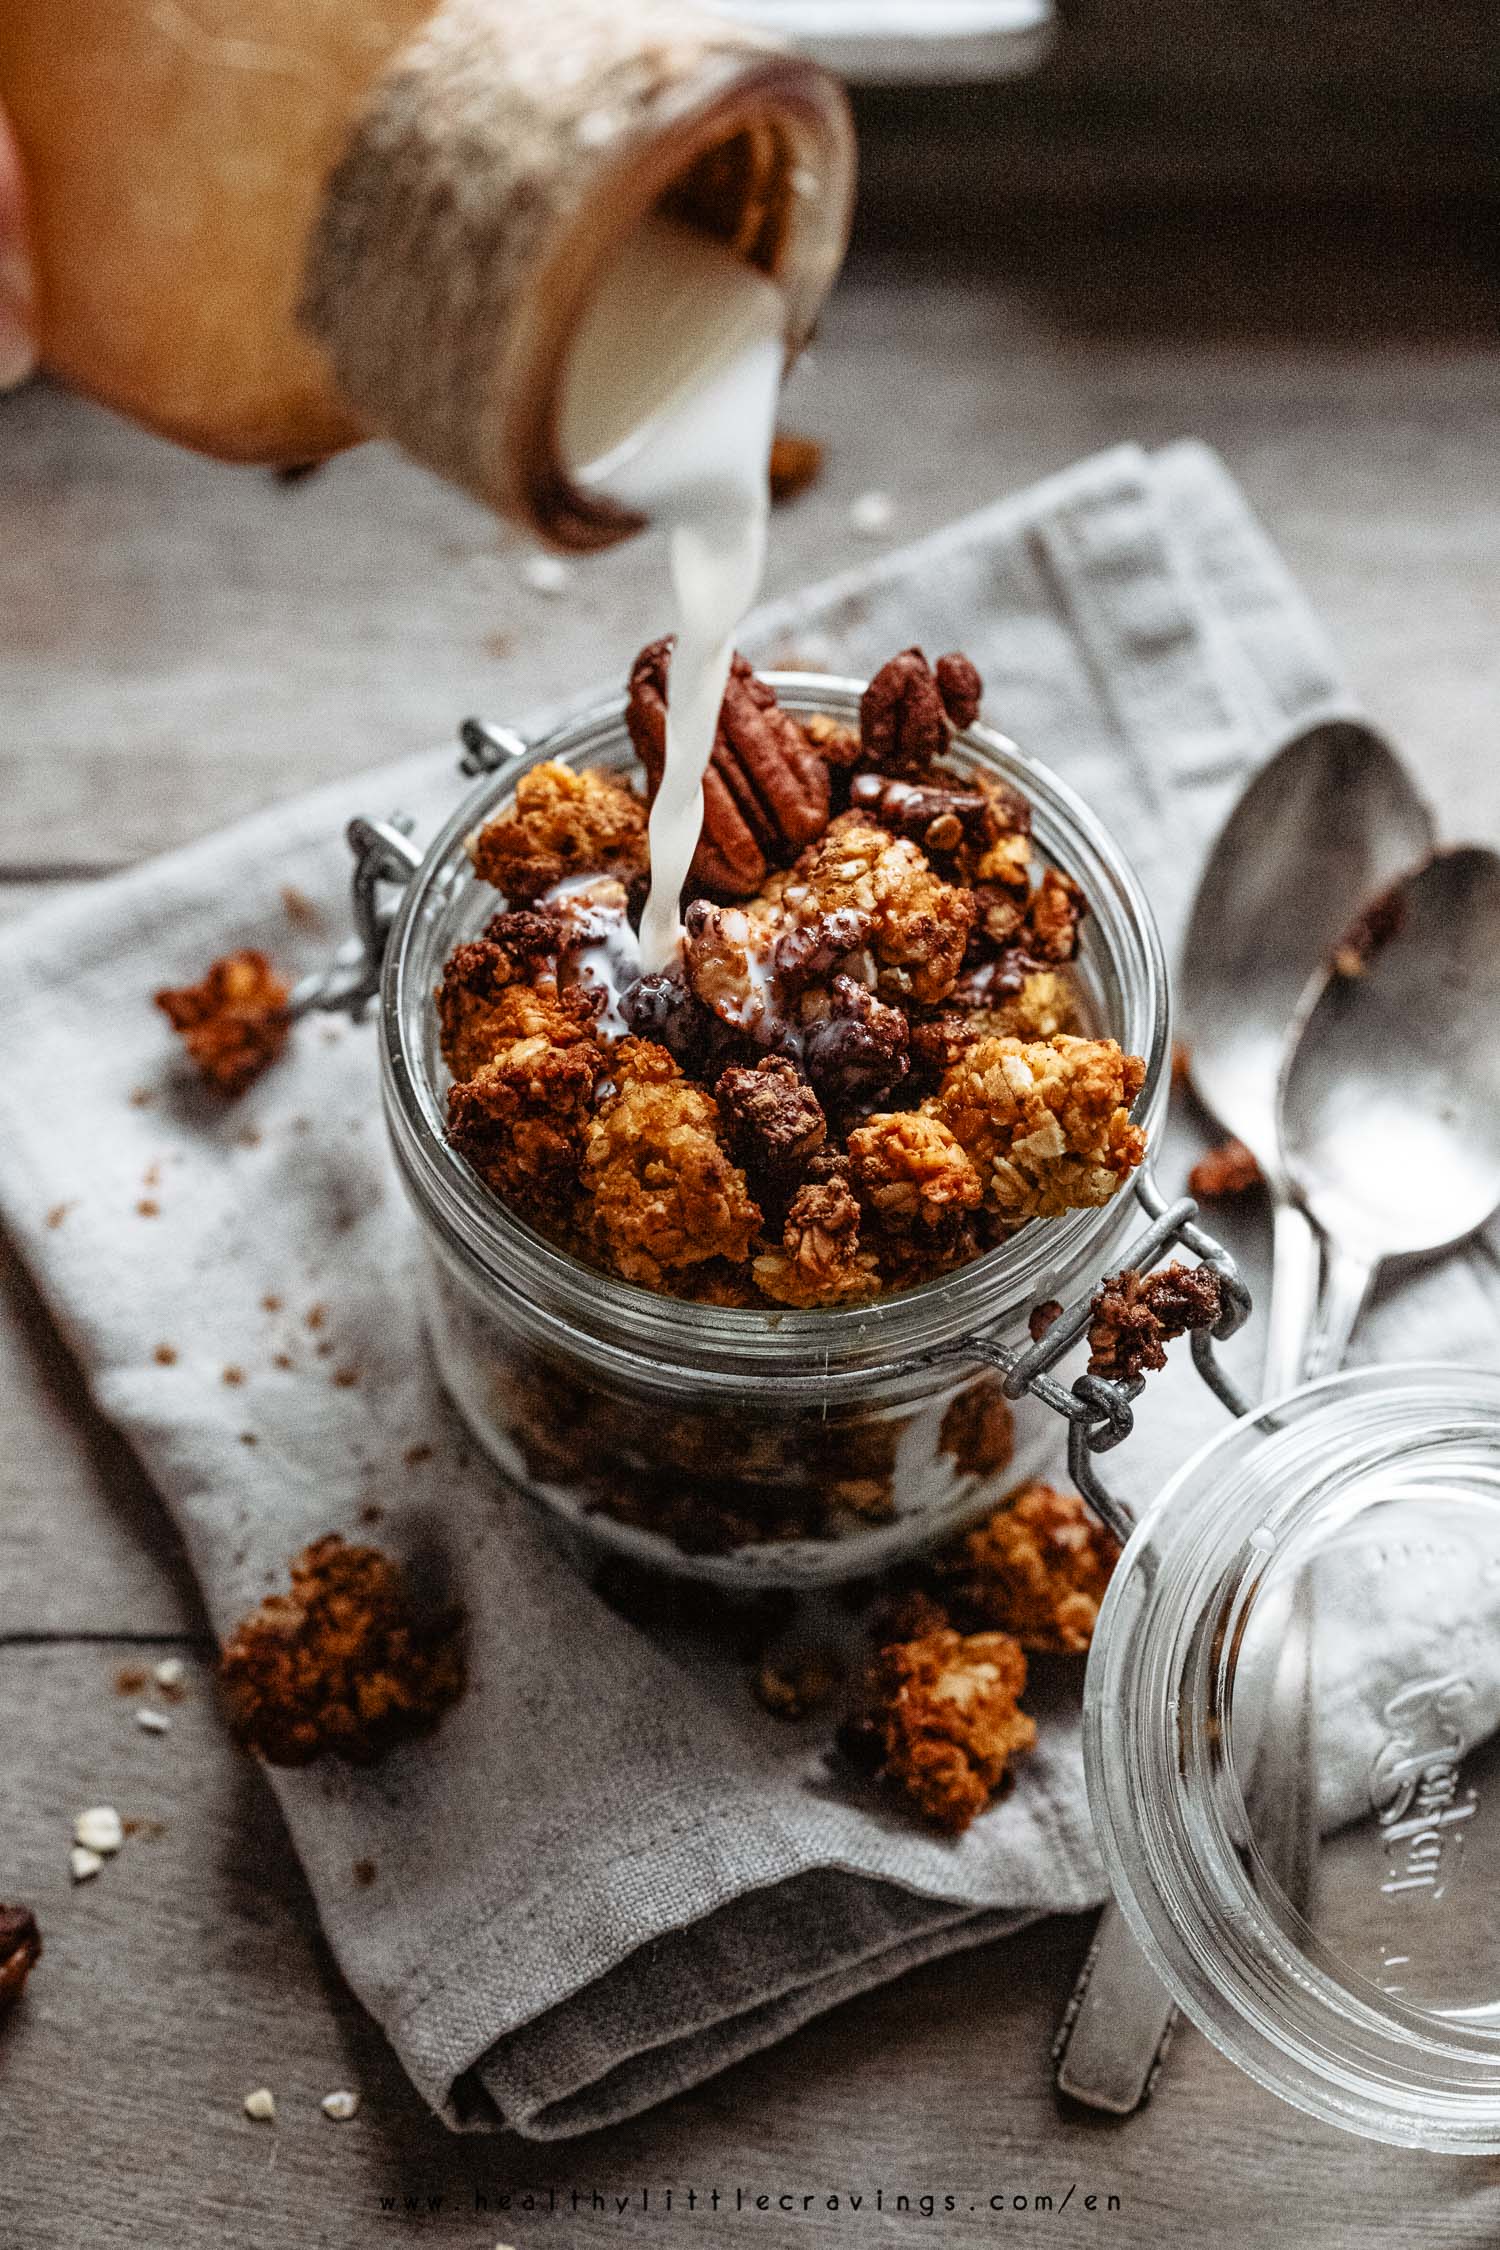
182 643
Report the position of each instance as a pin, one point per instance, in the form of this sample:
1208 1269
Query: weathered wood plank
190 1970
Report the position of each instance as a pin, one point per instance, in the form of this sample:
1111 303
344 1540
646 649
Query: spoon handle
1343 1300
1296 1271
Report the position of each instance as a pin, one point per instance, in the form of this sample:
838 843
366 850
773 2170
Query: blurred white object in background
888 42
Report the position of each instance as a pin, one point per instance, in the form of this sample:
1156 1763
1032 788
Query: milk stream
669 408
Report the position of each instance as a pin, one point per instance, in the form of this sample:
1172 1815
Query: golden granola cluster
866 1067
936 1717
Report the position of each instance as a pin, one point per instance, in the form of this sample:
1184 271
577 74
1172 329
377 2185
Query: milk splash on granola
669 409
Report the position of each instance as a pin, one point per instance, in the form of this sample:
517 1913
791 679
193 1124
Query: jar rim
790 1348
1244 1964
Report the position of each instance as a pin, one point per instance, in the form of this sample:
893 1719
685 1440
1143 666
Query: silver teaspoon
1390 1093
1328 822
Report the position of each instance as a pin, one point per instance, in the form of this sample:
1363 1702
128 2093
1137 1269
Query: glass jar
750 1447
1305 1630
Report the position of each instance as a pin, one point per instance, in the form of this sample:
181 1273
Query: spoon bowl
1389 1100
1326 824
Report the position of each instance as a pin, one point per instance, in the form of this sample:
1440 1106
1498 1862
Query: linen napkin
607 1875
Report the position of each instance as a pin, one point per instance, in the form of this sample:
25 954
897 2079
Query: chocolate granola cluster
864 1068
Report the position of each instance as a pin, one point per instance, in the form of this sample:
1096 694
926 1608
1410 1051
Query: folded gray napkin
607 1875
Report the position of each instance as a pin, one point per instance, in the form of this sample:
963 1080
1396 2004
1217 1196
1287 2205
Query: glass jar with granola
721 1261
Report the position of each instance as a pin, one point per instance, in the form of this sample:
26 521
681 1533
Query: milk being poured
669 409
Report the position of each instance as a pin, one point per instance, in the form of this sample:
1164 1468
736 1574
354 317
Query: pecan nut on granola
766 792
908 712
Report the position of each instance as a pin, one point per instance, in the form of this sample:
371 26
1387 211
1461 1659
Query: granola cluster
867 1064
348 1663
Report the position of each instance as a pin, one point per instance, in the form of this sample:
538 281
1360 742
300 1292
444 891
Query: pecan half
766 792
906 711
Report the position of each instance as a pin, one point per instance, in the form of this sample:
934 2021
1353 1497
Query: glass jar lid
1293 1760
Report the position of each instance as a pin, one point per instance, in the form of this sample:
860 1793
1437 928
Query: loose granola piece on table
796 462
347 1663
562 823
939 1720
918 924
664 1192
820 1261
794 1688
20 1951
233 1022
1136 1315
1036 1568
1229 1168
1046 1123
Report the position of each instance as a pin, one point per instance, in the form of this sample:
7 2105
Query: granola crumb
316 1316
130 1679
83 1863
345 1378
340 2105
302 912
283 1360
58 1214
345 1664
270 1304
165 1355
20 1951
248 1437
261 2105
1042 1316
233 1377
171 1676
148 1208
415 1455
141 1097
372 1512
365 1872
796 463
796 1687
1227 1169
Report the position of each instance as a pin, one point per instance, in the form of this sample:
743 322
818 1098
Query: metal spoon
1330 821
1390 1095
1326 823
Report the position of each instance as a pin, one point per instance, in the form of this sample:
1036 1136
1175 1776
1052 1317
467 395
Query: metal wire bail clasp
1100 1412
384 857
